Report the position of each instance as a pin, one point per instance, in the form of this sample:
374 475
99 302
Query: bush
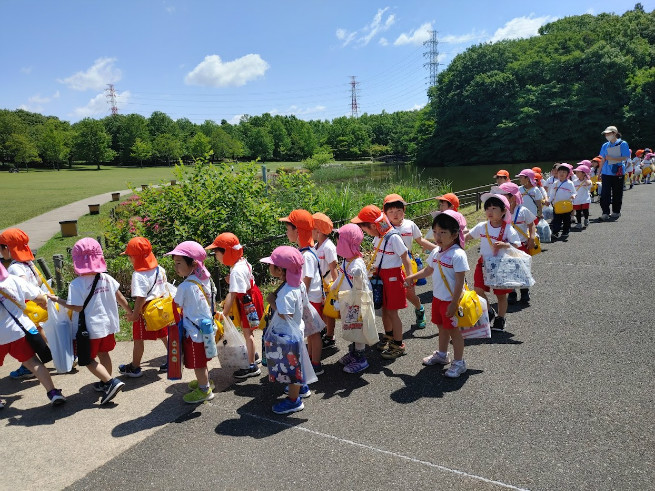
318 160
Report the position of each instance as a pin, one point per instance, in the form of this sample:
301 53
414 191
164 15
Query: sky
223 59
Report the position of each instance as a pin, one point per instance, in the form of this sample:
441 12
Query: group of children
639 169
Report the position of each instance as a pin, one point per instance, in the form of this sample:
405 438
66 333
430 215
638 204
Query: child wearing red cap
326 252
391 254
299 228
501 177
394 209
242 290
148 283
100 292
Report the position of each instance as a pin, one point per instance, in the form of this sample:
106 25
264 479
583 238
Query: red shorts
194 354
584 206
478 281
319 309
393 293
439 313
19 349
524 248
102 345
630 173
139 331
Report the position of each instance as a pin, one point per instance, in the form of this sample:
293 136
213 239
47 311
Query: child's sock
443 353
204 388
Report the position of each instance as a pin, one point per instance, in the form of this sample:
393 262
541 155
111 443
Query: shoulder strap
12 315
93 289
209 303
318 264
443 277
36 271
11 299
154 283
500 236
384 248
375 253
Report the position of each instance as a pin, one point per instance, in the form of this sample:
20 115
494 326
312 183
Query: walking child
326 252
148 283
448 266
97 294
530 193
582 199
562 191
448 201
501 176
390 254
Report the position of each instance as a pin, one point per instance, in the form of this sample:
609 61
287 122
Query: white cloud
464 38
213 72
37 99
363 36
298 111
521 27
100 105
97 77
236 119
416 107
383 42
26 70
416 36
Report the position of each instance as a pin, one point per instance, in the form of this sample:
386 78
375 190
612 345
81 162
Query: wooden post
58 261
44 267
68 228
477 201
94 209
115 196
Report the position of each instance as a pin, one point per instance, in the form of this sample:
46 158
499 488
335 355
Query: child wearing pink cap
100 292
352 275
530 192
448 266
195 296
561 190
14 291
496 233
286 264
582 198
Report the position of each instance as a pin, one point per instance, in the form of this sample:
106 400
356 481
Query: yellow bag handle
375 254
10 298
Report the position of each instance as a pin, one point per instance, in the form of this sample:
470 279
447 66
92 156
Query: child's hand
450 311
500 245
270 298
52 297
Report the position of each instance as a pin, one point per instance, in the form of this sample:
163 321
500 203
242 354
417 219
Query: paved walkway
563 400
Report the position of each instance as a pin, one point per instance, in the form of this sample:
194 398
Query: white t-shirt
561 191
310 270
531 197
355 272
544 193
453 260
548 183
144 281
241 276
629 166
395 247
194 304
20 291
408 232
289 301
101 313
24 271
478 232
582 190
327 254
522 217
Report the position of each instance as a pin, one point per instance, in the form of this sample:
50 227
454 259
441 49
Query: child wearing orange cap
390 255
242 290
394 209
148 283
501 177
326 252
300 228
448 201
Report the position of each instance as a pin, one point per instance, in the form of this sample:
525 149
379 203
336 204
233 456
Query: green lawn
28 194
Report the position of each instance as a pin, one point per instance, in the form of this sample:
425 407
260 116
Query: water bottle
208 333
251 312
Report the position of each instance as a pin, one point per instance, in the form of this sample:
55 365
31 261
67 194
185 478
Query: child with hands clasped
448 266
390 254
326 252
229 252
148 283
195 296
582 199
495 234
394 209
562 190
100 313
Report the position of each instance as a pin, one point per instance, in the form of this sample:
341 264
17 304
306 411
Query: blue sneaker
130 370
113 387
22 372
357 365
286 406
304 391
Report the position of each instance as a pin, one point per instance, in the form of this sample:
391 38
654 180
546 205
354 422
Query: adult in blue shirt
614 152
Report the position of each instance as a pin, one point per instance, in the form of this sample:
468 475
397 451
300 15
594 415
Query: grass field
28 194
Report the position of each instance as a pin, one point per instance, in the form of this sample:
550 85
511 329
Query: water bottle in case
251 312
208 333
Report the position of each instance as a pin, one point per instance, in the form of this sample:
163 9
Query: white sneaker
436 358
456 369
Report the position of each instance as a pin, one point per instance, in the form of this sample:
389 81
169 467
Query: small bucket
115 196
68 228
144 187
173 182
94 210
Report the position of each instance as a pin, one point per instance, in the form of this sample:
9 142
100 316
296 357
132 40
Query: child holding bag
582 198
561 194
327 261
148 283
448 266
195 296
95 295
242 290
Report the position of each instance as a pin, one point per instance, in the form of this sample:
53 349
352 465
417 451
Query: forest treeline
535 99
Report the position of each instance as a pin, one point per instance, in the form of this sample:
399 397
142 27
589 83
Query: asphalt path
562 400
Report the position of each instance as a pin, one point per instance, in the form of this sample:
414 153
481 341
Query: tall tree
91 142
55 142
141 150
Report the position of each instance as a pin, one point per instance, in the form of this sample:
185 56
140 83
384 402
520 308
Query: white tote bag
511 268
482 328
60 339
231 348
358 317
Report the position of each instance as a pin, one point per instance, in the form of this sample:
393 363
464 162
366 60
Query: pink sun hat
530 174
290 259
88 257
509 188
195 251
350 238
584 166
506 217
4 274
461 221
568 166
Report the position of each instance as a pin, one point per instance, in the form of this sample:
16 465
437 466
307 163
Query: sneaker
99 386
525 296
252 371
130 370
2 403
163 367
554 237
359 364
393 351
499 324
56 399
193 385
456 369
604 217
420 317
258 359
578 226
329 342
383 343
22 372
198 396
318 369
565 237
304 391
616 215
512 298
113 387
347 359
492 314
436 358
586 222
287 406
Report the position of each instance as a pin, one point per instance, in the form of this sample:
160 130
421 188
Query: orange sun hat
233 249
304 222
140 249
16 240
451 198
322 223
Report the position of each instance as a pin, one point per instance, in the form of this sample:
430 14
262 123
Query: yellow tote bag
333 296
159 313
469 309
565 206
